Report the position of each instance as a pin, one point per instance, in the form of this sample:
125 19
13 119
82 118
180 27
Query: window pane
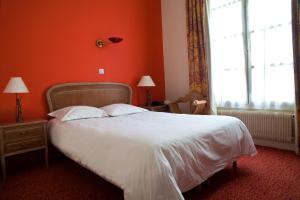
268 12
227 53
272 81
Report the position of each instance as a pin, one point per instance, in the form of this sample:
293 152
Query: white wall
175 49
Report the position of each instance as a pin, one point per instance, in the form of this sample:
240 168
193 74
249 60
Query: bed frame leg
206 183
199 187
234 165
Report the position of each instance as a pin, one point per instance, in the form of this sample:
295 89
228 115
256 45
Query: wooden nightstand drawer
23 145
12 134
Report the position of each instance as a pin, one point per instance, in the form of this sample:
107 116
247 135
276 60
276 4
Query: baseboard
277 145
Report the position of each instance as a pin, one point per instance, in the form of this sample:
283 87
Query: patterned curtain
197 36
296 45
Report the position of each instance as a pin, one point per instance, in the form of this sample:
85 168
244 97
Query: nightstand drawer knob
22 145
23 133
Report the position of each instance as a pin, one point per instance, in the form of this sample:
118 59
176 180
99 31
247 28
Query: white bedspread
153 155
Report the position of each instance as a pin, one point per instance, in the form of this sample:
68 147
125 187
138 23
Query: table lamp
147 82
16 85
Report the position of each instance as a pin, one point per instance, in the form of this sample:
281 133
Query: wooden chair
197 102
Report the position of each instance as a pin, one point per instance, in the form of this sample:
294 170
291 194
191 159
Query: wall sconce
113 40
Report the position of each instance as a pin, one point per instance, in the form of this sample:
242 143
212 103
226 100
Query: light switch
101 71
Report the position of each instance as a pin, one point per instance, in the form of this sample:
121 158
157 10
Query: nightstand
17 138
161 108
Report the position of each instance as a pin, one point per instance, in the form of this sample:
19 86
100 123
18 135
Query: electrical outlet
101 71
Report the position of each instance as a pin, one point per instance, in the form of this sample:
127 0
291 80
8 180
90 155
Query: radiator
267 125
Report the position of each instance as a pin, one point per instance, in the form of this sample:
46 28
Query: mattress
153 155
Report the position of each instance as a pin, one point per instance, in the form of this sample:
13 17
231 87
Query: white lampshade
146 81
16 85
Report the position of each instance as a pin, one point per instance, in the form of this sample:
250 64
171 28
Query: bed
150 155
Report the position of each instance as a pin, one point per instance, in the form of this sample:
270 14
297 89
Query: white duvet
152 155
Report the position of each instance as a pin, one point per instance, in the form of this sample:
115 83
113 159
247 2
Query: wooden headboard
90 94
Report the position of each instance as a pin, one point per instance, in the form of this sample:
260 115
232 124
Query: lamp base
19 117
148 98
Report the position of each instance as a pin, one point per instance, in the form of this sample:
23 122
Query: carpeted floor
272 174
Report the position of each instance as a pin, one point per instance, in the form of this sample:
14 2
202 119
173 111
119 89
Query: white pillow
77 112
119 109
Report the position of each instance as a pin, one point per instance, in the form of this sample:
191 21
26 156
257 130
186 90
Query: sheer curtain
251 53
271 53
227 53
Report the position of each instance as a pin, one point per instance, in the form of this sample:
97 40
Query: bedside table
17 138
162 108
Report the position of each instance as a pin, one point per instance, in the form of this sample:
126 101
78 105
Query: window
251 53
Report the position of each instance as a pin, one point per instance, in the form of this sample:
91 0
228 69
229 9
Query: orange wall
53 41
